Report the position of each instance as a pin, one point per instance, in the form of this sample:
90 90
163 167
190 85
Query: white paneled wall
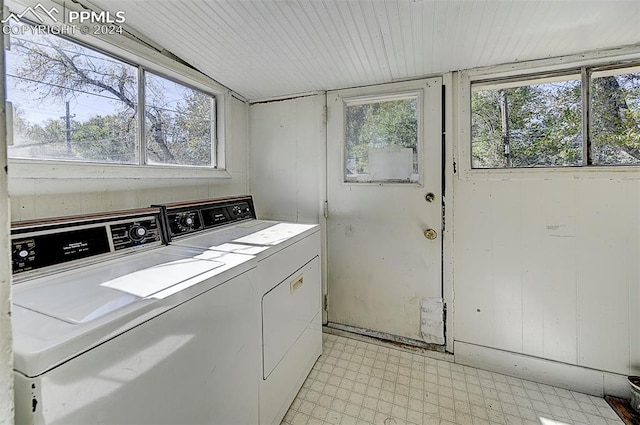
37 198
287 163
287 148
6 351
548 267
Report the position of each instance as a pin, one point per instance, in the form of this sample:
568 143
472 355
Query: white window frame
418 94
526 80
137 54
142 128
464 79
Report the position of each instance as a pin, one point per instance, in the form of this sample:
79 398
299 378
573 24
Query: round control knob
138 233
23 253
186 221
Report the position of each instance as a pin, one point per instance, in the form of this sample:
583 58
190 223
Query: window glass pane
179 123
527 124
382 140
615 118
70 102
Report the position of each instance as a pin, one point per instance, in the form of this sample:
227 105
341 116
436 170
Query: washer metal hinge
325 209
324 114
326 302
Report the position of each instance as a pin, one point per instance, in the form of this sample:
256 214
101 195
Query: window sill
30 169
609 172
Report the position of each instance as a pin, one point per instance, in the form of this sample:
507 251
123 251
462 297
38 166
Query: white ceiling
269 48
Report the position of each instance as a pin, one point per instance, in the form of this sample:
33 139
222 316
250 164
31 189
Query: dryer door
287 311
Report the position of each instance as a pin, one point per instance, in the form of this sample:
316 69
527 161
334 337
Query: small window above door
382 139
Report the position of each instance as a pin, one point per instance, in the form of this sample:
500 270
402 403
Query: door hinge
325 209
325 307
324 114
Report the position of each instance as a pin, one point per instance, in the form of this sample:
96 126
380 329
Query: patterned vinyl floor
356 382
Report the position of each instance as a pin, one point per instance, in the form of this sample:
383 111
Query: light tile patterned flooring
357 382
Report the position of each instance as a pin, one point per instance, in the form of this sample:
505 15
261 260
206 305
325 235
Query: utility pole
67 121
504 113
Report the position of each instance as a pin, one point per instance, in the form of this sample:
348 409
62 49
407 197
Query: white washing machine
288 272
112 327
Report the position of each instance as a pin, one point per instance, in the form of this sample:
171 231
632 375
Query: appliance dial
138 233
23 254
186 221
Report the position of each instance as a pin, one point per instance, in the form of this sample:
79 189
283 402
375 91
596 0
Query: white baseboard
544 371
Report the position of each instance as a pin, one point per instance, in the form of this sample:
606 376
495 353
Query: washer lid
93 292
58 317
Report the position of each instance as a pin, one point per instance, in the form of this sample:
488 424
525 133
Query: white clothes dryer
288 272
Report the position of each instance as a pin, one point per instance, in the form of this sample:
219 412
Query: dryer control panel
45 244
187 218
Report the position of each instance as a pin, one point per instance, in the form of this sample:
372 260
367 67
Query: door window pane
615 117
179 123
527 123
382 140
70 102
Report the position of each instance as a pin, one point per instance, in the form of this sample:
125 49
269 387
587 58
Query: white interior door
384 190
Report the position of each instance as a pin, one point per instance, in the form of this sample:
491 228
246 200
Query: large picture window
74 103
589 117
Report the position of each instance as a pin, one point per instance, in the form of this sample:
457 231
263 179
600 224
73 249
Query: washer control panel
134 233
23 253
183 219
44 244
